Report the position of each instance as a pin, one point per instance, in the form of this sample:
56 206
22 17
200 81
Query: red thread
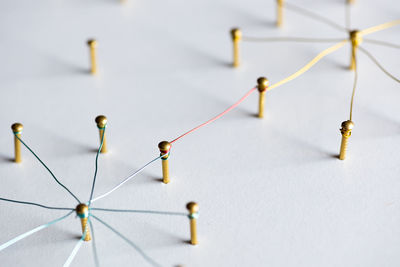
216 117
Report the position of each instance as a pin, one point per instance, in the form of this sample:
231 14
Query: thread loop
165 156
194 215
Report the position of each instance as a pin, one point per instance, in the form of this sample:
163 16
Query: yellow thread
380 27
354 87
331 50
309 64
379 42
378 64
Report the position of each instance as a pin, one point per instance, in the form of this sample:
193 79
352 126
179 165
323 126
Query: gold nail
17 130
279 16
356 39
101 121
92 45
82 210
165 148
193 208
236 37
262 85
347 127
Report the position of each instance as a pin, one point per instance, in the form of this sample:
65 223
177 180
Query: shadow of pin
92 150
254 115
187 242
334 156
157 179
6 159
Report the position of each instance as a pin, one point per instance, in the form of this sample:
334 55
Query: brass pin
262 86
101 121
279 15
17 130
236 37
165 148
193 208
92 46
347 127
356 39
82 210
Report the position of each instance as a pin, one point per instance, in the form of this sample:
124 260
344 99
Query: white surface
271 192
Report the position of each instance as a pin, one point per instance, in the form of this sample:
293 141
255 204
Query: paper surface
271 192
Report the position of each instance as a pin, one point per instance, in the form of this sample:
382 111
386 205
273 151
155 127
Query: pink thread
216 117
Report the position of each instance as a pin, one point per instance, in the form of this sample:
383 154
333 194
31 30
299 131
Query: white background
271 192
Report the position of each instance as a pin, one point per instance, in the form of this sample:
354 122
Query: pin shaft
261 104
236 35
165 148
343 147
193 232
82 210
279 17
93 57
193 209
165 171
347 127
17 129
262 85
85 227
102 134
356 39
17 146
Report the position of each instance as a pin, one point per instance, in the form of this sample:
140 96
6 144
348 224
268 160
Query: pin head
82 209
262 84
164 146
193 207
101 121
92 43
347 125
236 34
355 37
17 127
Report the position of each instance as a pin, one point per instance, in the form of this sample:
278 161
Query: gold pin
165 148
356 39
92 45
193 208
262 86
17 130
82 210
351 1
279 16
347 127
101 121
236 37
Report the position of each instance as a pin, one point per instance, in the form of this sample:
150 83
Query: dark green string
162 155
95 255
96 165
143 211
47 168
147 258
34 204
